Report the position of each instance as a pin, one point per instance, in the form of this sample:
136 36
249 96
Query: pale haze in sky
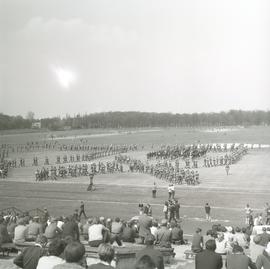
61 57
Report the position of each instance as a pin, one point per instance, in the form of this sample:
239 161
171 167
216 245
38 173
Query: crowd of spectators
49 241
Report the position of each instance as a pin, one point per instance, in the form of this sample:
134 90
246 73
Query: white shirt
95 232
48 262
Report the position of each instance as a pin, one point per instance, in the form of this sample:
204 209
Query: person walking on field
227 168
82 212
154 190
248 212
207 211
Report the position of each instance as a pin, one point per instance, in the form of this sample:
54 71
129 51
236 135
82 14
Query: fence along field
119 194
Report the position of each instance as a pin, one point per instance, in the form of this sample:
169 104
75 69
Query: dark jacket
71 228
155 254
239 261
263 260
4 236
145 223
208 260
28 259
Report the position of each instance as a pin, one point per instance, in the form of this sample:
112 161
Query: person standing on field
207 211
154 190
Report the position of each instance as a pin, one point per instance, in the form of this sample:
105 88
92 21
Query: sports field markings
114 202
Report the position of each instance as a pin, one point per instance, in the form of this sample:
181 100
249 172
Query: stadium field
119 194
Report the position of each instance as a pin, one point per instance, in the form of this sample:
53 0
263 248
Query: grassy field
119 194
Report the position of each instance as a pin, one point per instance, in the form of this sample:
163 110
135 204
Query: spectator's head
257 239
106 252
237 249
264 229
210 245
164 223
1 219
198 230
89 221
42 240
117 219
21 221
74 252
237 230
35 218
209 232
56 247
145 262
95 221
244 230
149 240
155 223
68 239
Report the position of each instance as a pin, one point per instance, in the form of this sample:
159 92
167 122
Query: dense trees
141 119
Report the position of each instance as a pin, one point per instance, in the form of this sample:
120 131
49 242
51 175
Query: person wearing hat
149 250
164 235
238 259
263 260
208 259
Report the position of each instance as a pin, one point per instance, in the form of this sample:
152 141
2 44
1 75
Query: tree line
133 119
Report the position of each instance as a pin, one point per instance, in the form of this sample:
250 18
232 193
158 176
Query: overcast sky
84 56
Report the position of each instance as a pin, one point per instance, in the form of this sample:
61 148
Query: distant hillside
132 119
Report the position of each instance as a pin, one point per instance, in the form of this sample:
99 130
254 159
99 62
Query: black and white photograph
134 134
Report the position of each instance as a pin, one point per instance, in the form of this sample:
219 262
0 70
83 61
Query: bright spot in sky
65 77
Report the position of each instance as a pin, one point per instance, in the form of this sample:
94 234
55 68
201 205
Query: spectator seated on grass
85 228
145 262
52 231
34 229
128 234
240 238
20 232
208 259
74 257
97 233
221 244
154 228
106 255
11 226
177 233
238 260
255 248
29 257
149 250
164 235
263 260
116 231
55 249
4 236
265 237
70 228
197 241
